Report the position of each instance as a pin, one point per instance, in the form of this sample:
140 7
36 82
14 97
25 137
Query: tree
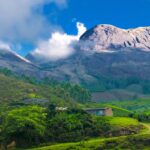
51 111
24 125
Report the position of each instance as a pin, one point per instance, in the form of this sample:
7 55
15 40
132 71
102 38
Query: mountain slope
21 65
15 62
107 58
15 91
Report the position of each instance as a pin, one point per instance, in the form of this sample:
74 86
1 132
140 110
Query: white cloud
24 19
81 29
59 46
4 46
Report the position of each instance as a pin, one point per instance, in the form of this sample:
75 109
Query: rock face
105 38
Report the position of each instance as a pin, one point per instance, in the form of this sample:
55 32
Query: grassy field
123 122
83 145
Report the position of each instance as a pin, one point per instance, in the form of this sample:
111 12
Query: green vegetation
16 91
142 116
23 125
122 122
130 84
33 125
132 142
138 105
116 143
29 116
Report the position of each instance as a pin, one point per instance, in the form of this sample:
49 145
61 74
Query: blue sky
122 13
25 22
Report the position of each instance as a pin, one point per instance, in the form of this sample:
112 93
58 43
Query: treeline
104 84
6 72
142 116
77 92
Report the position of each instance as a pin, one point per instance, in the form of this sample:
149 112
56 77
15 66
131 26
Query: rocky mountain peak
107 37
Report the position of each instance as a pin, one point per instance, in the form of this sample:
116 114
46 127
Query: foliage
30 125
138 105
14 89
80 94
6 72
142 116
105 84
25 125
115 143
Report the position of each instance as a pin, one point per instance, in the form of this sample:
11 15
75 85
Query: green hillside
30 125
116 143
16 90
13 90
137 105
121 142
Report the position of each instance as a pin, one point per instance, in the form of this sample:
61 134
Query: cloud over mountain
59 46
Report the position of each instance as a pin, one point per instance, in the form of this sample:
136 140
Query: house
100 111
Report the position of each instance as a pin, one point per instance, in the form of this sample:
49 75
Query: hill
16 90
120 142
138 105
131 142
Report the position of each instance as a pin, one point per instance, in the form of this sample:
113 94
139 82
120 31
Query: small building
100 111
61 108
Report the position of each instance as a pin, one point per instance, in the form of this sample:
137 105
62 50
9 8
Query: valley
44 103
32 102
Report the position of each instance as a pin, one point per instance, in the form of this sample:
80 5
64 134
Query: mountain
106 58
105 51
15 62
20 65
107 37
